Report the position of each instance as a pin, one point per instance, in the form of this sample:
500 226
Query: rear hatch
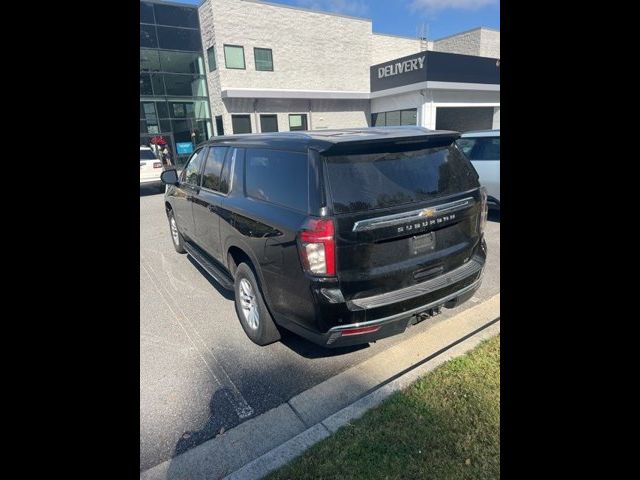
150 165
404 213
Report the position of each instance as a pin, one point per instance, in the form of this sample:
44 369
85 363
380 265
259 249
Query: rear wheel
176 236
254 317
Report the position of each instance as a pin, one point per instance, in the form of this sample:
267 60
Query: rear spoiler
395 144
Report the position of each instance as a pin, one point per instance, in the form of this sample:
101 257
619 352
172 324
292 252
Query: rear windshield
147 155
379 180
480 148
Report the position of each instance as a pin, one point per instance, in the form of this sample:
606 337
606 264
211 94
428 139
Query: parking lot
199 373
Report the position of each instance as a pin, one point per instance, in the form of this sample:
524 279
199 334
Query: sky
405 17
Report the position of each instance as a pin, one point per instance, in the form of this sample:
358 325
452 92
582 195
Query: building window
268 123
297 121
241 123
219 125
395 118
211 58
264 59
234 57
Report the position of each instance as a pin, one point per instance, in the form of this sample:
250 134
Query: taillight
318 252
484 208
157 164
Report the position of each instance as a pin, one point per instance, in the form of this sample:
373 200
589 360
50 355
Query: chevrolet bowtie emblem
428 212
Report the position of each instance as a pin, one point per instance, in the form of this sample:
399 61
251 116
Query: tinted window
180 62
241 123
378 180
148 36
263 59
149 61
147 155
184 85
480 148
191 173
145 84
179 39
268 123
178 16
278 177
213 168
146 13
211 58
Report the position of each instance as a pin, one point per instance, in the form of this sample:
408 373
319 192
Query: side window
191 173
277 177
213 168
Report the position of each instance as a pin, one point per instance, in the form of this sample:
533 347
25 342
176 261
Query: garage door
463 119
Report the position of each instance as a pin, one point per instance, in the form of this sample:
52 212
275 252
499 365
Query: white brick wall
302 42
481 42
388 47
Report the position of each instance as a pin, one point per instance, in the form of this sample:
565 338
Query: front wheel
176 236
254 317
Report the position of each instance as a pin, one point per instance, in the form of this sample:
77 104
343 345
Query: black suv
341 236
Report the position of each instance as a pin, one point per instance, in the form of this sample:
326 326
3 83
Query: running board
217 272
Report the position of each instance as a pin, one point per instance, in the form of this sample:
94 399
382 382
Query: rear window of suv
379 180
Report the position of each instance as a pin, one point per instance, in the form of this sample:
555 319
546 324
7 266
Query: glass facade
174 105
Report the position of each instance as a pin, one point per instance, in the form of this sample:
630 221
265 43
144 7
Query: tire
176 236
252 312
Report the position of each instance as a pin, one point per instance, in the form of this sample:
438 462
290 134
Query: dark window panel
158 85
408 117
180 62
163 111
211 57
277 177
146 12
268 123
213 168
219 125
148 36
145 84
149 61
179 39
263 59
185 85
241 123
176 16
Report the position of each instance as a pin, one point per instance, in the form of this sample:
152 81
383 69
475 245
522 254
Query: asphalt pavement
199 373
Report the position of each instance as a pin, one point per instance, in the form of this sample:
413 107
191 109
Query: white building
275 67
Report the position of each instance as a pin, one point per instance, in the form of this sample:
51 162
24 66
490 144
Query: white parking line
240 405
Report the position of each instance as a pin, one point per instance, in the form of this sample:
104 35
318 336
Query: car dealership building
269 67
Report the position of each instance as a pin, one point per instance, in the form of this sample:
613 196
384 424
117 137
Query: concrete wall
321 114
496 118
388 47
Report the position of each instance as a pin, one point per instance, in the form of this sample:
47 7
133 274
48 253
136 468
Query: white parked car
150 168
482 147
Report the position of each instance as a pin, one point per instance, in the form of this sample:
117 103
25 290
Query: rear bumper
392 313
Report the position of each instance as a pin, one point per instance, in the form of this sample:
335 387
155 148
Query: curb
283 454
264 443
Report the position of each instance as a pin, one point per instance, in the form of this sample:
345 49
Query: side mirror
169 177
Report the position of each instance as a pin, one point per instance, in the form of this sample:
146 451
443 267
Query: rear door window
213 168
278 177
380 180
147 155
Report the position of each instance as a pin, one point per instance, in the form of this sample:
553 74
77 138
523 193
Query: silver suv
482 147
